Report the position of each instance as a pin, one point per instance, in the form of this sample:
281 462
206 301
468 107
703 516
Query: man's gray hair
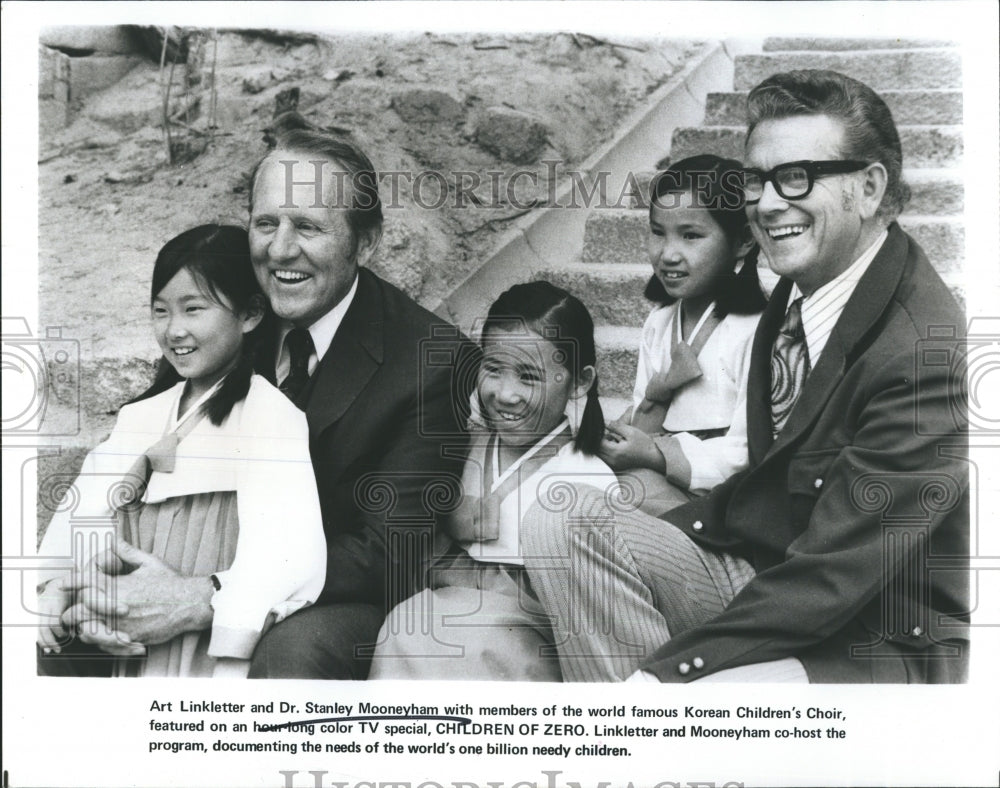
364 216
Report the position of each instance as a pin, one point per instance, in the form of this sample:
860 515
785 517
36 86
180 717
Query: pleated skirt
196 535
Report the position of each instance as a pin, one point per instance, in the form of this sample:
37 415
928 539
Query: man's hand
96 632
150 604
52 603
625 447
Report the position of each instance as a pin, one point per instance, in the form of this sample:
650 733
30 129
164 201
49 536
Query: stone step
923 146
619 236
617 357
907 107
942 239
796 44
903 69
615 236
612 292
933 191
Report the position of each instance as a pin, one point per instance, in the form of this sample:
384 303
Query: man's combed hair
869 131
364 215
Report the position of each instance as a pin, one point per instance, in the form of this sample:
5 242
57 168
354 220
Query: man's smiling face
304 253
813 239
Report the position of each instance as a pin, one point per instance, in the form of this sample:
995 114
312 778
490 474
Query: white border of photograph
96 732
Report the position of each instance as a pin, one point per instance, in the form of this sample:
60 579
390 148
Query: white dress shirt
822 309
322 332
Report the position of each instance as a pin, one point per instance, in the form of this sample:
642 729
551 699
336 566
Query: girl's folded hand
630 448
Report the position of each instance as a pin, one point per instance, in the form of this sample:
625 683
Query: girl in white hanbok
686 429
209 471
537 398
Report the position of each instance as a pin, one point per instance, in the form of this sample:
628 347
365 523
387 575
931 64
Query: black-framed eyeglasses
795 179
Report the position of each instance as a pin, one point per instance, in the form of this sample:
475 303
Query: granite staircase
921 82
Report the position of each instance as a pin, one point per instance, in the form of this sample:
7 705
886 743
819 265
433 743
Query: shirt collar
325 329
500 477
823 307
322 332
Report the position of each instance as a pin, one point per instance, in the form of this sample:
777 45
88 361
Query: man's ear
254 313
583 382
746 242
876 180
367 244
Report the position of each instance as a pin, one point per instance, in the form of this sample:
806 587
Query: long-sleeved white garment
260 451
717 400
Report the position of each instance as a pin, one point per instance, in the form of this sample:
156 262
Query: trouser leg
319 642
76 659
616 584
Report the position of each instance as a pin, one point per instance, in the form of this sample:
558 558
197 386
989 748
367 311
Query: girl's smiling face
198 334
688 249
524 385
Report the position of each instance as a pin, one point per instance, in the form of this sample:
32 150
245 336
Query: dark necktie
300 347
789 366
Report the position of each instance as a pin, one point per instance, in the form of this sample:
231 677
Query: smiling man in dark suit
839 554
351 353
380 380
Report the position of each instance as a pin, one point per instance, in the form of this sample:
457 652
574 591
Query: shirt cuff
230 642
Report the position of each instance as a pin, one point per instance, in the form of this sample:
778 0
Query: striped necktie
789 366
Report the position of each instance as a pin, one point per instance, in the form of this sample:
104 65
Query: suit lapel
353 357
869 300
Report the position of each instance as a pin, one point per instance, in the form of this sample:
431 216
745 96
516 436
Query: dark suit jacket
856 517
386 408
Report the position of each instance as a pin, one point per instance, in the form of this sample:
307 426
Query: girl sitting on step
686 429
480 618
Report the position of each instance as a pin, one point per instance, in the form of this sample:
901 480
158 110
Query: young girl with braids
479 618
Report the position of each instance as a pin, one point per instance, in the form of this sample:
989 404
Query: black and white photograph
383 380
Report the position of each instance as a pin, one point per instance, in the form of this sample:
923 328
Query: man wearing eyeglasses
839 555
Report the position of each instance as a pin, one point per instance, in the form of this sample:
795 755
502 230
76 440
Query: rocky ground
489 107
449 104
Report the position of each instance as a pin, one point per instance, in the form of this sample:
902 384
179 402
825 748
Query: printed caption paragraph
561 730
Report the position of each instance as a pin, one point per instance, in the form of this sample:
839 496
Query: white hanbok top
261 452
551 485
717 400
